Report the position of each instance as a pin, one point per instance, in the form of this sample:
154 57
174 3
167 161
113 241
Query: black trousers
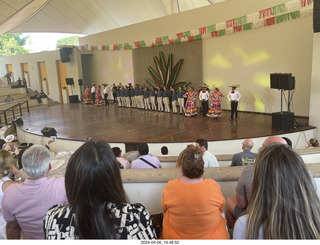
106 102
114 97
205 107
93 97
234 108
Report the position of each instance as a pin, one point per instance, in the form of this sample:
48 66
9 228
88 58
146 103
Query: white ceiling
86 16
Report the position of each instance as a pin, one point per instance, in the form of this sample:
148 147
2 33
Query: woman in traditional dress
191 108
99 99
87 96
215 108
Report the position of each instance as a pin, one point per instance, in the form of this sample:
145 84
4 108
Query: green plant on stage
165 75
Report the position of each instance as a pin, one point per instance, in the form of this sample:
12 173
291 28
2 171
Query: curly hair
191 162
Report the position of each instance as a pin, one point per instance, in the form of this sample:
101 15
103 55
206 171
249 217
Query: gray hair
35 161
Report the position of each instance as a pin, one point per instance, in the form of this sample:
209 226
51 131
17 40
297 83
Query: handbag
157 220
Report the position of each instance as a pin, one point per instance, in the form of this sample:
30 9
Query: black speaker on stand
65 54
283 120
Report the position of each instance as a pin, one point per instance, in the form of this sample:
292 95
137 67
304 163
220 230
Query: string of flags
275 15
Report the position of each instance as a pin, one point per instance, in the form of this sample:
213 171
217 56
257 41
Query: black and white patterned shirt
132 222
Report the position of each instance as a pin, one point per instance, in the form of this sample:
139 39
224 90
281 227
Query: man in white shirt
234 96
209 159
105 93
204 97
93 93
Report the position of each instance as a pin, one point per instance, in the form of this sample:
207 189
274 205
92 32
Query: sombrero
235 85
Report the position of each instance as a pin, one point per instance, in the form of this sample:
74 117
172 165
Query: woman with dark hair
283 203
191 107
98 207
193 205
215 108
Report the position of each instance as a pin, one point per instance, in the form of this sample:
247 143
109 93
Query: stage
115 124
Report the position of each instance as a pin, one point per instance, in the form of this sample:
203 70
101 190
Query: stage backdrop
191 68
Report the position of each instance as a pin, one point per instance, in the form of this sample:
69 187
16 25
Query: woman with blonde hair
284 203
8 172
193 205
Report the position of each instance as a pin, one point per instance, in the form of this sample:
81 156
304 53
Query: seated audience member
246 157
8 98
236 206
284 203
313 143
124 162
24 205
9 145
193 205
98 207
209 159
22 148
289 142
8 173
145 160
164 151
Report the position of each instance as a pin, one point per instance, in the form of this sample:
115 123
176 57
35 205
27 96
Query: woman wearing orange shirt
193 205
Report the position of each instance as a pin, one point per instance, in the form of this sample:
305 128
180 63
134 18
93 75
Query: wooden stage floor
130 125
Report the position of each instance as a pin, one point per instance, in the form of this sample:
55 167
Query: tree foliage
12 44
73 40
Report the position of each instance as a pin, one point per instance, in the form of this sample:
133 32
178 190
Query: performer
99 99
165 97
191 108
180 94
87 95
114 93
153 99
204 97
215 108
93 93
160 99
174 98
234 96
146 98
118 96
105 94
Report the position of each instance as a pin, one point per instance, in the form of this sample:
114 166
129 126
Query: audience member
236 206
246 157
289 142
193 205
164 151
98 207
284 203
209 159
313 143
22 148
24 205
124 162
9 145
8 98
145 160
8 173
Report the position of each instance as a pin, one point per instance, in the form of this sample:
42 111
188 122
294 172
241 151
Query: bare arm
242 201
13 230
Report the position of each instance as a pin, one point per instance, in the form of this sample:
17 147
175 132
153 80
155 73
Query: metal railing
11 109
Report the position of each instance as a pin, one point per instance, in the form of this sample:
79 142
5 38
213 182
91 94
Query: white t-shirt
240 228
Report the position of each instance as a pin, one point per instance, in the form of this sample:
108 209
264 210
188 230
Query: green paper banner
241 20
198 37
279 9
165 39
247 26
142 44
211 28
294 15
282 18
222 32
186 33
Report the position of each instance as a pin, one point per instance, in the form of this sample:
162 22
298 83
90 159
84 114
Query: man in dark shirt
246 157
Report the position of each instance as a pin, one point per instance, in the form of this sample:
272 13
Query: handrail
12 108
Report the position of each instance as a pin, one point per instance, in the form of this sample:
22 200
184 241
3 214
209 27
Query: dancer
191 108
160 99
166 99
234 96
215 108
180 94
99 99
93 93
105 94
174 100
87 96
146 98
118 96
204 97
153 98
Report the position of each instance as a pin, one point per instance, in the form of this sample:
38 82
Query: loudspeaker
64 54
316 16
69 81
274 80
285 81
49 132
73 99
80 82
282 120
18 121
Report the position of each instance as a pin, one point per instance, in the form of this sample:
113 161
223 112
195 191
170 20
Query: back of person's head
289 142
143 149
92 181
6 163
36 161
283 199
116 151
314 142
273 139
247 144
164 150
191 162
202 142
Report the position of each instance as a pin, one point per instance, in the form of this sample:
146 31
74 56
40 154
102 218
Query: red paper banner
203 30
305 3
180 35
214 34
270 21
230 23
237 28
137 44
265 13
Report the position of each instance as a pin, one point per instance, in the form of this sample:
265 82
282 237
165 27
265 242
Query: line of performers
161 99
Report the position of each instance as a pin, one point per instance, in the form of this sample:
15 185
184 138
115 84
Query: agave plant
165 75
